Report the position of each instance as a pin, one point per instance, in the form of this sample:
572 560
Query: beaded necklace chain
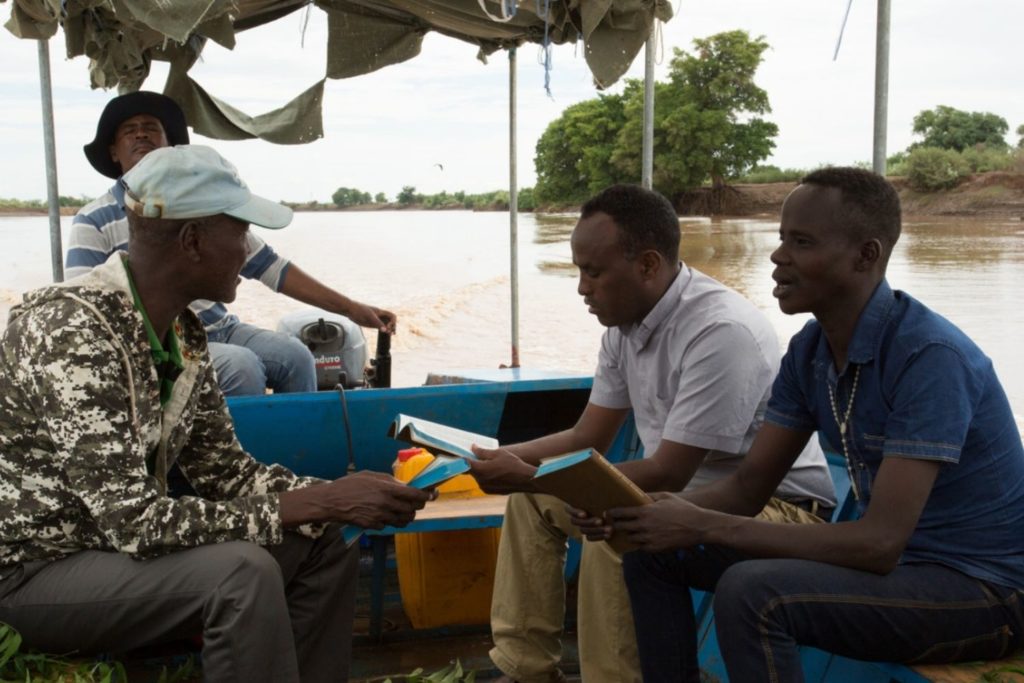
843 424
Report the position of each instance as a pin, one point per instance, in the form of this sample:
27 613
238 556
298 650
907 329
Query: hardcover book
587 481
438 438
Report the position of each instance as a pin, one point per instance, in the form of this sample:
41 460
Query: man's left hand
668 523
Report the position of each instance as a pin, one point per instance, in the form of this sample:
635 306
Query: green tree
408 196
526 199
347 196
380 198
707 121
948 128
1020 132
573 159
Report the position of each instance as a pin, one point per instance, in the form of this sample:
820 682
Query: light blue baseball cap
194 181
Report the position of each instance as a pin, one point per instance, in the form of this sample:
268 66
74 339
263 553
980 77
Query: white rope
508 10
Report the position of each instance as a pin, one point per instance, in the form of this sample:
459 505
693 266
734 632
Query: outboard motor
337 345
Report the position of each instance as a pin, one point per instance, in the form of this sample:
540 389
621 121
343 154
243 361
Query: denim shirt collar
868 330
639 335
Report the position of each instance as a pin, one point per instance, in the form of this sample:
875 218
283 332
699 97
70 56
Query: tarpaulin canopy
122 37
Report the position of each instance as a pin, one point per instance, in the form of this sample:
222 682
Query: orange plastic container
445 577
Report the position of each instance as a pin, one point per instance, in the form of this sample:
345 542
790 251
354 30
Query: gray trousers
281 613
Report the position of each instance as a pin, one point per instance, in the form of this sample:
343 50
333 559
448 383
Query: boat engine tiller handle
379 373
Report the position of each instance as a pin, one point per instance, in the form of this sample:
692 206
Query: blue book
560 462
586 481
440 470
438 438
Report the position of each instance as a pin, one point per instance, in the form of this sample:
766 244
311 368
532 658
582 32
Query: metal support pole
647 170
881 87
513 205
50 151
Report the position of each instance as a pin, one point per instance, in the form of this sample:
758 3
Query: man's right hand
371 500
499 470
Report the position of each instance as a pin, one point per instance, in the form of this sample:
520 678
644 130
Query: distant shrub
930 169
6 203
441 200
408 196
349 196
771 174
1017 161
895 164
527 202
64 201
983 159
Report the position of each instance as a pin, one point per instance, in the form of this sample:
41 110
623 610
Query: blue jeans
764 609
248 359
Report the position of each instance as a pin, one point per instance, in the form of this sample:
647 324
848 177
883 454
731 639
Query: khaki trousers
528 605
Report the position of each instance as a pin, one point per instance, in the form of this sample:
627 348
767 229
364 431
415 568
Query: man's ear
113 154
650 264
190 237
870 255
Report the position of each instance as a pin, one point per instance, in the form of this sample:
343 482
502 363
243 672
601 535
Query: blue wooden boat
329 433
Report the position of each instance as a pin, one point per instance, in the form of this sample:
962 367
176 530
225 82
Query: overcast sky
391 128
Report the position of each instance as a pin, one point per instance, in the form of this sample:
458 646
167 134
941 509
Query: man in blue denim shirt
932 571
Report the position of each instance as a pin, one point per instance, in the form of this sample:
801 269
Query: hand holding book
583 479
588 482
437 472
498 470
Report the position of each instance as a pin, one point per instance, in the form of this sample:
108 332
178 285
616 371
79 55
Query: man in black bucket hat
248 359
142 110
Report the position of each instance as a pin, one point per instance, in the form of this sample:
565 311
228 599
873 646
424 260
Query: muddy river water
446 275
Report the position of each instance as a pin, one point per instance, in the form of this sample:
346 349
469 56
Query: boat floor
404 649
400 651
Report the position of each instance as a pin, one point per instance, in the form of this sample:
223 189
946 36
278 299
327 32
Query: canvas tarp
121 37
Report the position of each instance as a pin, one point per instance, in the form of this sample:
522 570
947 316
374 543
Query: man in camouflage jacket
94 555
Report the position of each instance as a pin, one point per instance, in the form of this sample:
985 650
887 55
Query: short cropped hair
153 231
870 204
646 220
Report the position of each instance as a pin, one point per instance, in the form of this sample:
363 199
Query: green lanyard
166 358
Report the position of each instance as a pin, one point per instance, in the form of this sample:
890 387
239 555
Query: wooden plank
454 514
448 508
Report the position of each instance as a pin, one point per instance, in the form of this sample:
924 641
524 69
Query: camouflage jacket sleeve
78 379
216 464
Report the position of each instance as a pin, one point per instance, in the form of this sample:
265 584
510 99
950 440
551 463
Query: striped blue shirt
101 227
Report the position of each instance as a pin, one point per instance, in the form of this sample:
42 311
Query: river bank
997 194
